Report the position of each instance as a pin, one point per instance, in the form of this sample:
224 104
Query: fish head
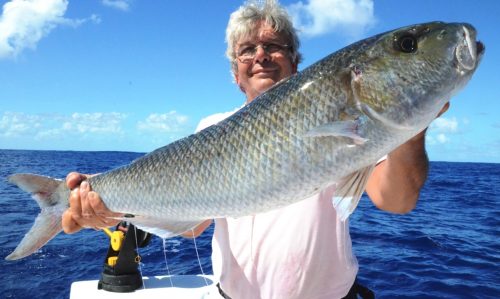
404 77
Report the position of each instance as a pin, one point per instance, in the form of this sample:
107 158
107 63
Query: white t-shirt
299 251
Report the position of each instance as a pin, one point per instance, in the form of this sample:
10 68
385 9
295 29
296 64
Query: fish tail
52 197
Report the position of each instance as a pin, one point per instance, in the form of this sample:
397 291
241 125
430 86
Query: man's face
256 76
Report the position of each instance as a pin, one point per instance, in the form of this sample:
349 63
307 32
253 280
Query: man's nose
261 55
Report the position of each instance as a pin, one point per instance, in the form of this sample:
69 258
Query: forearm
395 184
198 230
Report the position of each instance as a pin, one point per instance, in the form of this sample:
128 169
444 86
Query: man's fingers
86 207
102 213
75 203
81 209
73 179
87 211
68 224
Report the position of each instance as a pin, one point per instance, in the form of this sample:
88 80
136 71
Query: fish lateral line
347 128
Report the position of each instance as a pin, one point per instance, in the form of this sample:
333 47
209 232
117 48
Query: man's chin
265 80
264 84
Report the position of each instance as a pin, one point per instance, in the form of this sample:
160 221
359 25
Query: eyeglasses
247 53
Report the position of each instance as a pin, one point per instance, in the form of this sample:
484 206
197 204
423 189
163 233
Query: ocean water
448 247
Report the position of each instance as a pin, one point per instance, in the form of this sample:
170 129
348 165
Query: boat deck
184 286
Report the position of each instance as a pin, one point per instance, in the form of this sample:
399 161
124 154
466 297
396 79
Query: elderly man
300 251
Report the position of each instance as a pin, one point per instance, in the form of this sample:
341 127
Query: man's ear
294 67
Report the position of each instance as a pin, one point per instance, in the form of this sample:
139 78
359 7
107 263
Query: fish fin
349 192
52 197
162 228
346 128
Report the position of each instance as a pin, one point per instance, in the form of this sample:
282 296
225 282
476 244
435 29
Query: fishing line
138 255
198 256
166 263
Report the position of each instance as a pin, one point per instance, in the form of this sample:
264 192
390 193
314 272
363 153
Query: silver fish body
328 124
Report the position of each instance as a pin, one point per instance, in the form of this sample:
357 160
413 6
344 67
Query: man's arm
395 183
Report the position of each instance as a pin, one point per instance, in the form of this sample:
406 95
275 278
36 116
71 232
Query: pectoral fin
348 128
349 192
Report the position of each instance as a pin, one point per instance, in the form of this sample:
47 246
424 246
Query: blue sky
135 75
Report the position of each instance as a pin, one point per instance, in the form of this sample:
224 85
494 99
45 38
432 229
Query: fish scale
328 124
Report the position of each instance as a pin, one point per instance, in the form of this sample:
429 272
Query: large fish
328 124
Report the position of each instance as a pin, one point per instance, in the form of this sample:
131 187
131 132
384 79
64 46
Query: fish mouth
469 51
480 49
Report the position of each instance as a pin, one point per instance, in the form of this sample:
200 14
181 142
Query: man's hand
86 209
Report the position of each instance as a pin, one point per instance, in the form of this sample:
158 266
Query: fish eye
407 43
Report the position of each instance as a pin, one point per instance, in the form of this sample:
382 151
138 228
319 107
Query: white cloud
440 129
95 123
13 124
24 23
316 17
54 126
163 123
444 125
442 138
96 19
118 4
434 140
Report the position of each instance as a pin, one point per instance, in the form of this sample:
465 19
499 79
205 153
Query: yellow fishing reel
121 273
116 239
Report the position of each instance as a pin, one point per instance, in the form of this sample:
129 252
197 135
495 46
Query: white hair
243 21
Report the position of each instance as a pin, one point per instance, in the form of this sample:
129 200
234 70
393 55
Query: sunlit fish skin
328 124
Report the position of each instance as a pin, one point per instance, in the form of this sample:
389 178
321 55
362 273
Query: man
300 251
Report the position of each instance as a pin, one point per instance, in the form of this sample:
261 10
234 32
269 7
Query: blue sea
448 247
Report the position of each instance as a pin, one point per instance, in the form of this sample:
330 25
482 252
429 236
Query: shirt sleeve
213 119
381 159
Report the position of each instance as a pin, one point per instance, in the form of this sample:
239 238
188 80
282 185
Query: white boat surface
168 286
